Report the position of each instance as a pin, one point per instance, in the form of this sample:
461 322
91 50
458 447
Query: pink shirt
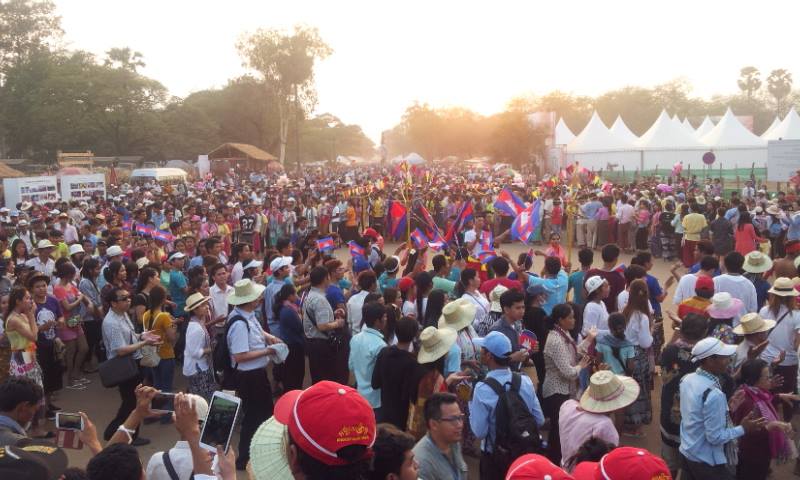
69 293
576 426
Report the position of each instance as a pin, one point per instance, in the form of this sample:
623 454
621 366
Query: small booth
242 158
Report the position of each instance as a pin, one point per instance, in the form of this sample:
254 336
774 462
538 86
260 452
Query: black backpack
224 370
516 432
666 222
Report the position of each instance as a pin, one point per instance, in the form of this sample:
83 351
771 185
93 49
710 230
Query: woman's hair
776 301
424 283
433 310
15 297
751 371
592 450
87 270
286 291
112 270
157 297
559 312
145 275
65 270
357 468
390 295
467 275
411 262
744 218
14 248
638 299
577 311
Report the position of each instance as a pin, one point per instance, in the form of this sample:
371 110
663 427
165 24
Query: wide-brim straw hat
757 262
494 297
784 287
435 343
195 300
608 392
753 323
458 314
245 291
723 305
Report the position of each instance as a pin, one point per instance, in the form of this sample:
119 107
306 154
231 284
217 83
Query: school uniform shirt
595 315
782 336
364 349
118 332
240 340
739 287
354 310
197 339
219 299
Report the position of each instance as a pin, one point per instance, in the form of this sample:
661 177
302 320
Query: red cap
405 284
793 246
624 463
535 467
370 232
325 418
704 282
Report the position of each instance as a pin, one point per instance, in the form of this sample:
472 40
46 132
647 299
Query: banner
83 187
30 189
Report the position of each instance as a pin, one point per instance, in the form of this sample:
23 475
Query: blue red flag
464 215
163 236
509 203
126 225
526 222
419 238
356 250
325 244
397 219
487 240
144 230
486 256
431 229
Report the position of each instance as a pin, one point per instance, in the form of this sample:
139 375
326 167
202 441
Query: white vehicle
162 176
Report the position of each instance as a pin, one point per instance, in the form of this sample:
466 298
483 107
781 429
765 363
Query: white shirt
237 272
741 288
685 288
45 268
469 237
638 330
197 339
782 337
595 315
181 458
354 307
219 299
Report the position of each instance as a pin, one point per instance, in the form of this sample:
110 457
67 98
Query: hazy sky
447 53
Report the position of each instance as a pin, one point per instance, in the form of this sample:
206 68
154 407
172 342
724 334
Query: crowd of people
416 357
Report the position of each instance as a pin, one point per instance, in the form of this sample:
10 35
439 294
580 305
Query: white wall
665 159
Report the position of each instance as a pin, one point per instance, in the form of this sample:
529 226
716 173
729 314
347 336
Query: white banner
783 160
30 189
83 187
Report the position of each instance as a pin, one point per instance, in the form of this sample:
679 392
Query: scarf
778 444
732 447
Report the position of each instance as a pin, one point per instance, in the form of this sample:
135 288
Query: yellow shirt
378 208
159 327
693 224
350 219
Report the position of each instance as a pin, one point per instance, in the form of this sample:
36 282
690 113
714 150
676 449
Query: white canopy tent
773 126
562 133
622 131
730 133
788 129
667 133
704 127
688 126
597 137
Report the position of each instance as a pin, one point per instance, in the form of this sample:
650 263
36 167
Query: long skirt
603 229
668 246
32 370
687 252
641 237
640 412
202 383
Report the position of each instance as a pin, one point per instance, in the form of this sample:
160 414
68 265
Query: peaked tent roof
788 129
622 131
667 133
239 150
563 134
773 126
704 127
729 132
688 126
596 137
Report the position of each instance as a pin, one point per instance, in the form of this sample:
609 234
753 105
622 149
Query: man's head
373 315
118 461
367 281
406 329
513 304
495 350
19 399
120 299
713 355
586 257
552 265
734 262
444 418
318 277
393 457
709 264
440 266
500 266
610 253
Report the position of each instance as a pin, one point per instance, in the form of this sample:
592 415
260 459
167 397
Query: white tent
596 137
688 126
789 128
622 131
704 127
414 158
730 133
773 126
563 134
667 133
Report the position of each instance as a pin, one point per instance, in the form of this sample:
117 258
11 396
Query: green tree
124 58
779 84
26 27
749 81
513 139
286 63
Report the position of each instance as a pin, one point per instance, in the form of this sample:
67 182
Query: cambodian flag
397 219
487 240
509 203
526 222
464 215
431 229
419 238
325 244
143 230
163 236
356 250
487 256
126 225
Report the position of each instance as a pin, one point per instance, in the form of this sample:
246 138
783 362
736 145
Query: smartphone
69 421
219 423
163 402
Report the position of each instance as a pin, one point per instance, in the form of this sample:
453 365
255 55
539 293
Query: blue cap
360 264
496 342
534 290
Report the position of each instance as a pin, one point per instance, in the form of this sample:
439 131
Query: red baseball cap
624 463
405 284
704 282
370 232
535 467
325 418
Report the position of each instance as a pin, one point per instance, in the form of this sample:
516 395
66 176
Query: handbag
118 370
150 357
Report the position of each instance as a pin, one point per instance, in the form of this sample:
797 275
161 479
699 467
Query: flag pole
408 215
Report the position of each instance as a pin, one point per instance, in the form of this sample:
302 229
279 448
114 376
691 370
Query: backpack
665 219
224 369
775 229
516 432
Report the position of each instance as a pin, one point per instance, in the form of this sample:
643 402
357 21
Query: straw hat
43 244
458 314
757 262
608 392
724 306
494 297
753 323
784 287
435 343
195 300
245 291
773 210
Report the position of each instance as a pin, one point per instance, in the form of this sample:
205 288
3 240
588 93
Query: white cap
142 262
279 263
254 264
593 283
176 256
76 248
23 223
113 251
711 346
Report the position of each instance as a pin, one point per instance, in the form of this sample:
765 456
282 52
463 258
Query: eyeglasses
123 299
454 419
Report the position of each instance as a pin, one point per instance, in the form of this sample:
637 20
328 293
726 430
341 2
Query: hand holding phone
220 421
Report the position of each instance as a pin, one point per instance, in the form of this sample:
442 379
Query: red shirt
615 279
488 286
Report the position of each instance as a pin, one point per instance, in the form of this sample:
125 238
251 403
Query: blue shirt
273 287
704 430
556 289
177 282
335 296
655 291
242 339
484 401
732 215
590 209
575 283
364 348
452 363
696 268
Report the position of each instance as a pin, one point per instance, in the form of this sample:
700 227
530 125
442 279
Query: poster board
83 187
783 160
30 189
